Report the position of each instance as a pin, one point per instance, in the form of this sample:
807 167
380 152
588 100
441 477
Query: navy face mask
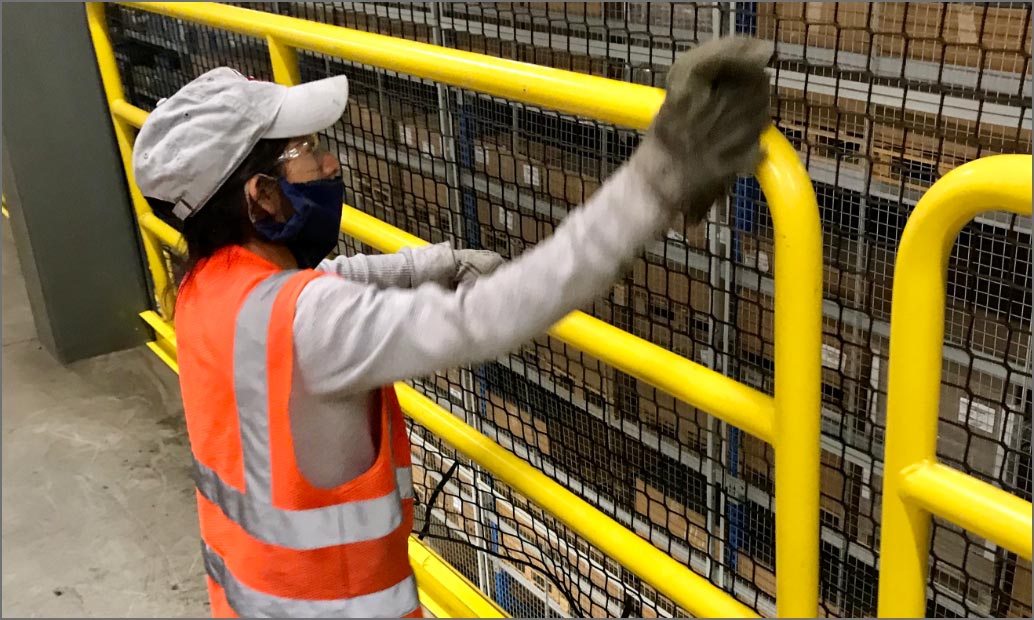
312 231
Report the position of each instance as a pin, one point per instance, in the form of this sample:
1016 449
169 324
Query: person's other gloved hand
472 264
708 130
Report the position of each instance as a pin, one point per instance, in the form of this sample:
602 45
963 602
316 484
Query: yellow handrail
789 420
124 136
915 486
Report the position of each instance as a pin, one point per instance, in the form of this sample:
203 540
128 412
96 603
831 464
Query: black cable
434 496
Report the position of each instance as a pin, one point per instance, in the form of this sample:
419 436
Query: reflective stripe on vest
340 524
394 602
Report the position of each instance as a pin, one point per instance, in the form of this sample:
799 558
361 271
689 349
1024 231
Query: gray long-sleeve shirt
365 329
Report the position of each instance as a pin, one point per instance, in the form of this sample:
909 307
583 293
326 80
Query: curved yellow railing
916 486
790 420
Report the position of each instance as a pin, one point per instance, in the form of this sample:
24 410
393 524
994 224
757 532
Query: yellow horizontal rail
128 112
608 100
670 577
914 486
444 591
973 504
164 344
169 236
112 83
789 420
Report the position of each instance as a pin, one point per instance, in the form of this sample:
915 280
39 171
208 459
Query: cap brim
310 107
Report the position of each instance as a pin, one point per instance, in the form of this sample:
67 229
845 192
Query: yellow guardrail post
915 486
789 421
284 61
124 135
798 376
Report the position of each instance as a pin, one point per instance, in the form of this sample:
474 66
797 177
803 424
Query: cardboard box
842 285
572 10
821 125
879 279
757 460
374 179
840 25
418 130
511 418
678 15
485 45
576 376
831 487
756 573
1021 586
487 157
755 324
424 192
921 149
962 34
365 119
974 410
448 387
682 523
411 27
993 336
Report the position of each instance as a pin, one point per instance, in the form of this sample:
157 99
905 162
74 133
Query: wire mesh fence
880 99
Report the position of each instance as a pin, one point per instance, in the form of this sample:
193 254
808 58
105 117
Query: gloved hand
472 264
708 129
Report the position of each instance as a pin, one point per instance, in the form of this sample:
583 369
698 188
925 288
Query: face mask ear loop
250 204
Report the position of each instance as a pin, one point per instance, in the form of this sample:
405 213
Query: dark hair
224 220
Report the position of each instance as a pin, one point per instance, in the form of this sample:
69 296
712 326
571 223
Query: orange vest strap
395 601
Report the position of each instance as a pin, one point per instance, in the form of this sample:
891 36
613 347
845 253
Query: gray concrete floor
98 504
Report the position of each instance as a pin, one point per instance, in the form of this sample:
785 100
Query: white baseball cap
194 140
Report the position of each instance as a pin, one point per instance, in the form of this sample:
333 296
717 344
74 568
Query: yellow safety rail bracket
790 420
124 136
916 486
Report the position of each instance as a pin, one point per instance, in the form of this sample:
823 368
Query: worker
287 359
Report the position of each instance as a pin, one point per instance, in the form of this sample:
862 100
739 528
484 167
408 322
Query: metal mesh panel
880 99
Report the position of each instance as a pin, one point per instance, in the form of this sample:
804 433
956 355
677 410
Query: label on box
763 262
532 175
967 23
620 294
456 395
407 134
425 147
508 218
831 357
480 155
813 11
978 415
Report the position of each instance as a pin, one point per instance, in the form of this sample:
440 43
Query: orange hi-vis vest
274 545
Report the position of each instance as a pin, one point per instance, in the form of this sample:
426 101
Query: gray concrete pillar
65 188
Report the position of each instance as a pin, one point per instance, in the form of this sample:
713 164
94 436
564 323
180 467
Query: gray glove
707 131
448 267
472 264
